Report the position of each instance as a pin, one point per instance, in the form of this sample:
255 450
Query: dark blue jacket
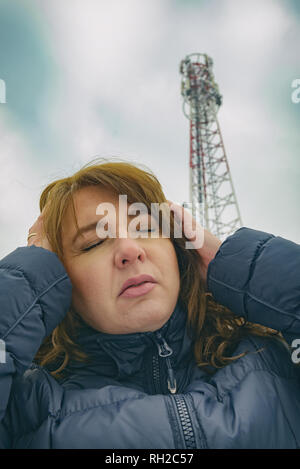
121 399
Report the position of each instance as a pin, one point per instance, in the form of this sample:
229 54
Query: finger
178 217
192 230
184 216
35 233
33 240
177 210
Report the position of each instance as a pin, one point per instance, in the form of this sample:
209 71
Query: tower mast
212 195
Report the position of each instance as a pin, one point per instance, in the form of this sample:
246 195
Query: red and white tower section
212 197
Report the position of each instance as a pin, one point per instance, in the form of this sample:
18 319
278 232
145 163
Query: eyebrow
85 229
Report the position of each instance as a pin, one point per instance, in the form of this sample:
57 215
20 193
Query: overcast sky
87 78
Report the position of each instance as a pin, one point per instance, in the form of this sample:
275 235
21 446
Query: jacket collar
122 355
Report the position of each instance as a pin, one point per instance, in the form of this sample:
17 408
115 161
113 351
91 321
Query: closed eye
92 246
100 242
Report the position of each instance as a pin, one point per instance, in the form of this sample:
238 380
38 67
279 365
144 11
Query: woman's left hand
206 244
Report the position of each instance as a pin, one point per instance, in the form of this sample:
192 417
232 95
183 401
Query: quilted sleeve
257 276
35 294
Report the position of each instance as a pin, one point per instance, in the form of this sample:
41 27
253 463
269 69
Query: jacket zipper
185 421
179 402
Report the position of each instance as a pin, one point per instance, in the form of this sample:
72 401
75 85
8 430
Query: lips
133 281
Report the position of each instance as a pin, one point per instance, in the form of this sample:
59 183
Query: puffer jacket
144 390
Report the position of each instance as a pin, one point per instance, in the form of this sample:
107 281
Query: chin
155 323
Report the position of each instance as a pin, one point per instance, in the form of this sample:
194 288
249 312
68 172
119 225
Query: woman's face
97 275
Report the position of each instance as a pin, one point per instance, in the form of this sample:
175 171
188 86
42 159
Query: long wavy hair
215 329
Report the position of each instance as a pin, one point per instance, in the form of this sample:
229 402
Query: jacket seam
23 274
290 327
34 303
257 300
261 243
257 252
227 393
67 414
272 373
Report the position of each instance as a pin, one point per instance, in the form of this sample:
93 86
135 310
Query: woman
139 342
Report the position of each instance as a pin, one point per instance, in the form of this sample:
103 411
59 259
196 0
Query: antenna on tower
212 195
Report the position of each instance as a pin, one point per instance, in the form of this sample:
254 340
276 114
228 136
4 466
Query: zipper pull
164 351
163 348
172 385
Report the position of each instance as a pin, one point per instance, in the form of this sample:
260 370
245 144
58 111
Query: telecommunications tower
212 195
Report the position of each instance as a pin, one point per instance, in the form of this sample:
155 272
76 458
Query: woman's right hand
39 237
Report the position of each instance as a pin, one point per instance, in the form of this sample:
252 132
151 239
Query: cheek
88 282
168 260
175 275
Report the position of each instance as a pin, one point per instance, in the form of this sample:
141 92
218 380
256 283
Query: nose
128 252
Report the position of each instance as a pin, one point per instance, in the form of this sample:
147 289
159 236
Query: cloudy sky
89 78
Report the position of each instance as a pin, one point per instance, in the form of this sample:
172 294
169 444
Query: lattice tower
212 197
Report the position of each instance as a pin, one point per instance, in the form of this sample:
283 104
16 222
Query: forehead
88 198
86 201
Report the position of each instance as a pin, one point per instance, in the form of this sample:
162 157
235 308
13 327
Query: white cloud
118 94
127 53
19 189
